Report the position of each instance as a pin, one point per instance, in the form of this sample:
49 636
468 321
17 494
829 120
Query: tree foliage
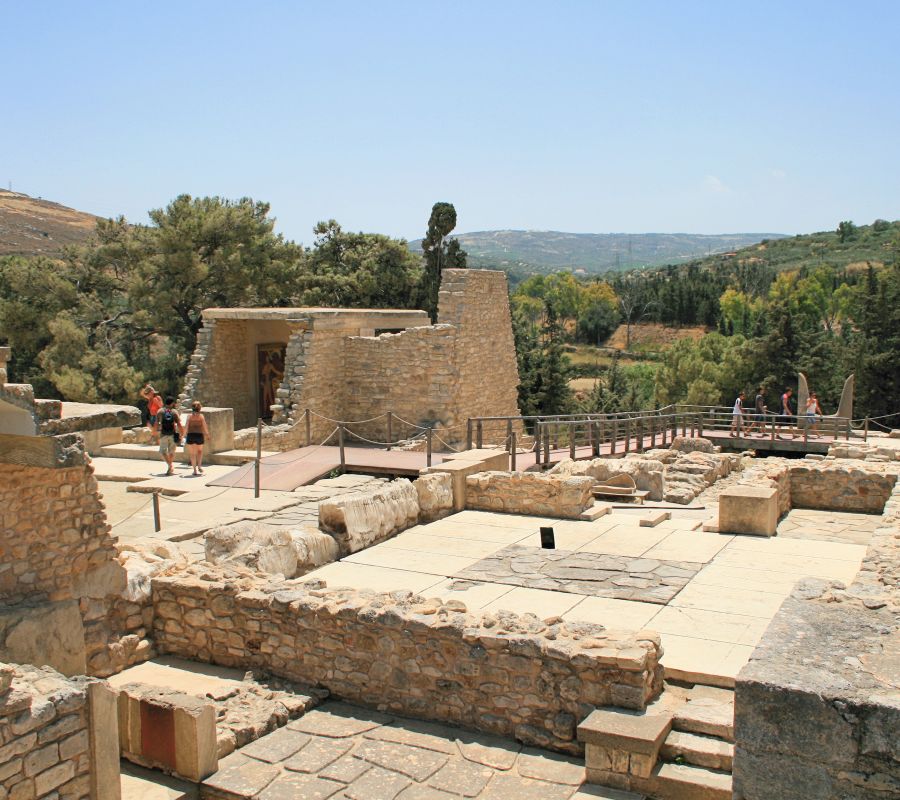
441 251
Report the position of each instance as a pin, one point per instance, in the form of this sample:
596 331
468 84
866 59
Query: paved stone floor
644 579
343 751
709 628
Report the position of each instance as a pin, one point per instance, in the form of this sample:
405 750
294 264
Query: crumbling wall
45 737
842 485
530 493
511 675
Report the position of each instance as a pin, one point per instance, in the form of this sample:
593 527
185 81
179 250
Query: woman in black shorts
197 432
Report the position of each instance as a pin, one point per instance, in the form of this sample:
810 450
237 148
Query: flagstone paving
647 580
343 752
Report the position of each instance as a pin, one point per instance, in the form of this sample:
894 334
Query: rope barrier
344 422
140 508
314 448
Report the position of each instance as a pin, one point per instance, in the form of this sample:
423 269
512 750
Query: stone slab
749 510
621 730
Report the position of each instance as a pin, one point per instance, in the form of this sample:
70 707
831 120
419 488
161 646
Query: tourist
759 418
787 411
195 437
168 427
154 406
145 395
737 416
813 412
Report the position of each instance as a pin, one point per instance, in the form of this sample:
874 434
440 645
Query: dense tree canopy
441 252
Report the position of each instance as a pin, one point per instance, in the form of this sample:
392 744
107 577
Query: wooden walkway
293 468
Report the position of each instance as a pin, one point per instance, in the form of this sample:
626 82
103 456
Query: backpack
167 422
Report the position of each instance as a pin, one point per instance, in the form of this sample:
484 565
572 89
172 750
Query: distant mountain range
32 226
546 251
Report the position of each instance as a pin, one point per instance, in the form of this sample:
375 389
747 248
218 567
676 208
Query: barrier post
341 447
546 439
259 424
156 525
480 434
627 434
615 437
509 431
512 451
572 440
390 428
308 428
866 430
469 433
428 447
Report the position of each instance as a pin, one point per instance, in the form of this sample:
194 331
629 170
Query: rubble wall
842 486
44 735
510 675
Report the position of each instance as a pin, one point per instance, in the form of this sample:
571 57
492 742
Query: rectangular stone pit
749 510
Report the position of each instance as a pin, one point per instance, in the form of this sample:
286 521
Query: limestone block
220 422
687 444
749 509
51 634
106 579
621 742
435 493
104 738
359 520
95 439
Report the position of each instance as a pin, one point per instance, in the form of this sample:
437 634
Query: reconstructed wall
530 493
515 676
817 708
429 375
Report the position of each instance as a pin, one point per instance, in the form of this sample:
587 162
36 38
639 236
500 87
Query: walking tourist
760 409
737 416
169 429
813 412
197 431
154 406
787 411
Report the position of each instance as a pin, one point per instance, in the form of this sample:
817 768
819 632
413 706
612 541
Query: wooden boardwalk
293 468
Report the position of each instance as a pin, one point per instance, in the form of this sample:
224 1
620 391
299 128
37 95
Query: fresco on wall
270 363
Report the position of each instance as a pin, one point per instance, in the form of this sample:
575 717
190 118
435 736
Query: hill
548 251
31 226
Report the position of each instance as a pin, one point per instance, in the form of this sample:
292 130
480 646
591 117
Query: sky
699 117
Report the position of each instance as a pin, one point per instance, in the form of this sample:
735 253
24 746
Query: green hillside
548 251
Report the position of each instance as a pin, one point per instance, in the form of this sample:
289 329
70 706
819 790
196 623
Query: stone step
701 751
139 783
709 711
148 452
684 782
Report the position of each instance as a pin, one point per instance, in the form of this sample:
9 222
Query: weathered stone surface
461 777
529 493
276 746
413 762
648 474
50 634
689 444
270 549
240 777
435 493
360 520
293 785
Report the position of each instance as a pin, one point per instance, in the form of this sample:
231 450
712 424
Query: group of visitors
786 417
168 430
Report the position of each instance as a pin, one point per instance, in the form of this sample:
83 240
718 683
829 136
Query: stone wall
429 375
46 738
61 583
816 708
842 486
529 493
510 675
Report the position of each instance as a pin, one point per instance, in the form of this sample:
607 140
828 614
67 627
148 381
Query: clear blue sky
703 117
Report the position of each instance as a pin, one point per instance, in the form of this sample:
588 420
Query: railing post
341 448
156 524
479 433
665 430
512 451
866 430
699 424
308 421
627 434
509 431
390 429
684 426
615 437
600 433
572 440
428 447
259 424
590 434
469 433
546 438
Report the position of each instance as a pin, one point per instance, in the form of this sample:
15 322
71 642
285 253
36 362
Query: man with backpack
168 425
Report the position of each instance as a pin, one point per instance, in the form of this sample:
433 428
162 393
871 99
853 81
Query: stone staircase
230 458
680 748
